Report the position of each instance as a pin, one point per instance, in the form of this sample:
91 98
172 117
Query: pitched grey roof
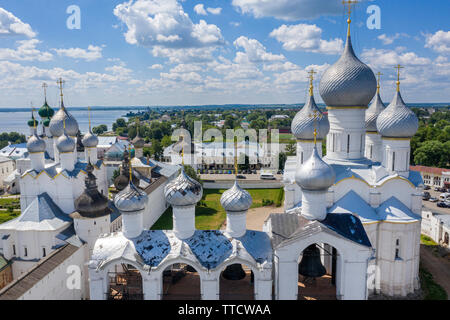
19 287
41 215
287 227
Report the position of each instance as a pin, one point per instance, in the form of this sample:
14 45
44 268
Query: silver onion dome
236 199
397 120
183 191
302 126
57 123
90 140
349 82
35 144
131 199
373 112
315 174
65 143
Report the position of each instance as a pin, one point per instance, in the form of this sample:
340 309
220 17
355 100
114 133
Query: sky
203 52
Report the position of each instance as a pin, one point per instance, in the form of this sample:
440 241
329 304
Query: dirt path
438 267
257 216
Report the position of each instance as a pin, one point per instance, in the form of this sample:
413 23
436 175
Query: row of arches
182 281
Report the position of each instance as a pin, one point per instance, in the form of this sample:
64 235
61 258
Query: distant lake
15 119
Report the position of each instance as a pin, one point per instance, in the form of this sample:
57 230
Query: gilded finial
89 117
379 74
60 83
32 116
131 169
349 20
311 79
315 116
45 86
398 67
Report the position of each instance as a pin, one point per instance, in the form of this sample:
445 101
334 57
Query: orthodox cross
45 86
60 83
89 117
398 67
349 3
379 74
131 169
311 79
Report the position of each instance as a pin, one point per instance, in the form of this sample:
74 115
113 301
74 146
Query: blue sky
175 52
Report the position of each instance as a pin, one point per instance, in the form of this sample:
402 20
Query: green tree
100 129
156 149
166 141
433 154
282 160
191 173
291 148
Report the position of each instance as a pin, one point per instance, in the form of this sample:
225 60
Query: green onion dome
46 111
32 122
46 122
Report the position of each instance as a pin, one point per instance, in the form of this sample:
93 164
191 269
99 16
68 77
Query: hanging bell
234 272
311 266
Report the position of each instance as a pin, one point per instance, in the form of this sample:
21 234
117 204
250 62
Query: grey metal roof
315 174
236 199
372 113
303 124
397 120
288 227
183 191
348 82
25 282
41 215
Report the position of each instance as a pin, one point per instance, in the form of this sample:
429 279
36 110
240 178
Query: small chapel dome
46 122
397 120
35 144
183 191
90 140
302 126
138 142
46 111
236 199
315 174
32 123
57 123
131 199
65 143
373 112
349 82
91 203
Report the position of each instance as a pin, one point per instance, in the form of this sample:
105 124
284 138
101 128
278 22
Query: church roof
393 210
208 248
53 171
287 227
42 214
352 203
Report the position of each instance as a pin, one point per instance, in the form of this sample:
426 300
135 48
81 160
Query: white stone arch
351 267
102 274
238 260
392 187
157 274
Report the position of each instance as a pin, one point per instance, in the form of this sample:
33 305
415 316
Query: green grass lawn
426 240
4 202
431 290
210 215
6 216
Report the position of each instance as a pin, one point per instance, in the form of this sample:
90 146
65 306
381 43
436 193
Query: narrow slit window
348 143
393 161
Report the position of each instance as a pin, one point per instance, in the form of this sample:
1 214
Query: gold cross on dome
311 79
349 3
131 169
398 67
45 86
379 74
315 116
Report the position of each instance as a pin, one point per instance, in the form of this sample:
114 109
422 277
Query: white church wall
54 286
345 186
156 206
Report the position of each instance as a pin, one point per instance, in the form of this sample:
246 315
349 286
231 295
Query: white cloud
189 55
200 9
289 10
298 75
156 66
91 54
26 51
215 11
382 58
254 52
390 39
439 42
163 23
235 23
305 37
12 26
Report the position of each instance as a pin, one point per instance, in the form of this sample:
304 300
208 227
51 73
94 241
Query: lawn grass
210 215
426 240
4 202
6 216
431 290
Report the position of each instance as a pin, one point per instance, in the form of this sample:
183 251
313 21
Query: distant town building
278 117
434 177
436 226
6 168
165 118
